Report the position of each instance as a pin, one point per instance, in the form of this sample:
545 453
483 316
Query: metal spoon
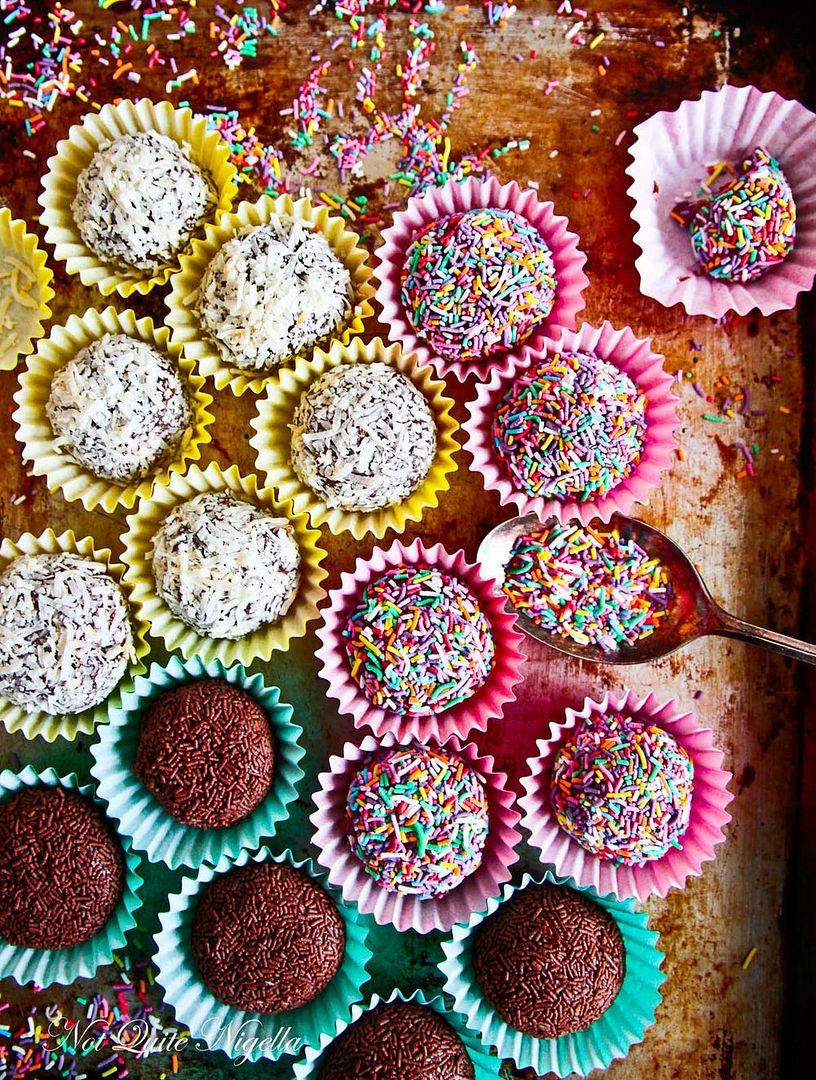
693 612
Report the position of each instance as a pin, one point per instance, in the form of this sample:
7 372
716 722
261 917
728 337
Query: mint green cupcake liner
45 967
611 1036
142 817
250 1036
486 1066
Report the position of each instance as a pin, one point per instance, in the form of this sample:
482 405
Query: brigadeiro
61 869
397 1041
206 752
418 820
266 938
550 961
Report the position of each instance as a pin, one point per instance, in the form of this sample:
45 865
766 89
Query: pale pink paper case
669 162
632 355
707 820
405 912
487 703
456 197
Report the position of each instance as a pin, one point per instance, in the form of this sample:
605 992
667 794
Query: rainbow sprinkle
588 585
418 642
622 788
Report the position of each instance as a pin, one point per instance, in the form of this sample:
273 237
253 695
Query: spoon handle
730 626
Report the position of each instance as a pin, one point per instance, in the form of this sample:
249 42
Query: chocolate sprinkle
61 869
267 938
550 961
398 1041
206 753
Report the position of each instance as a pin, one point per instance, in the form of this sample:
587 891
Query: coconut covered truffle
65 633
363 437
271 292
226 566
140 200
119 408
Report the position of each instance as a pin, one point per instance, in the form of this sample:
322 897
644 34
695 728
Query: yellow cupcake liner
177 634
25 290
207 149
34 431
68 726
272 441
186 283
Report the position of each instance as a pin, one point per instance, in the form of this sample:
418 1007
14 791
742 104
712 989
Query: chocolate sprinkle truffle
267 938
272 292
61 869
397 1041
65 634
225 566
140 200
549 960
119 408
363 437
206 753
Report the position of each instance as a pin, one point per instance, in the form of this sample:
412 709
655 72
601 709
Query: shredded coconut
225 566
65 634
363 437
140 199
271 292
119 408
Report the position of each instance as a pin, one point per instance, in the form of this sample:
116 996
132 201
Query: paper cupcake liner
611 1036
20 249
485 1065
632 355
142 817
207 149
404 912
69 725
707 820
670 158
62 472
177 634
184 323
487 703
272 439
45 967
214 1024
455 197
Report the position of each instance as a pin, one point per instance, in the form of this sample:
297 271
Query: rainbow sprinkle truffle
572 426
588 585
418 820
622 788
418 642
477 283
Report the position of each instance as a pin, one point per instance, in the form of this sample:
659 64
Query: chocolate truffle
550 961
206 753
363 437
118 408
418 642
267 938
272 292
476 284
225 566
61 869
65 635
140 200
397 1041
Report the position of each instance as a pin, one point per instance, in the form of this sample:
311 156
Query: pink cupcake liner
670 157
707 820
487 703
454 197
629 353
347 872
